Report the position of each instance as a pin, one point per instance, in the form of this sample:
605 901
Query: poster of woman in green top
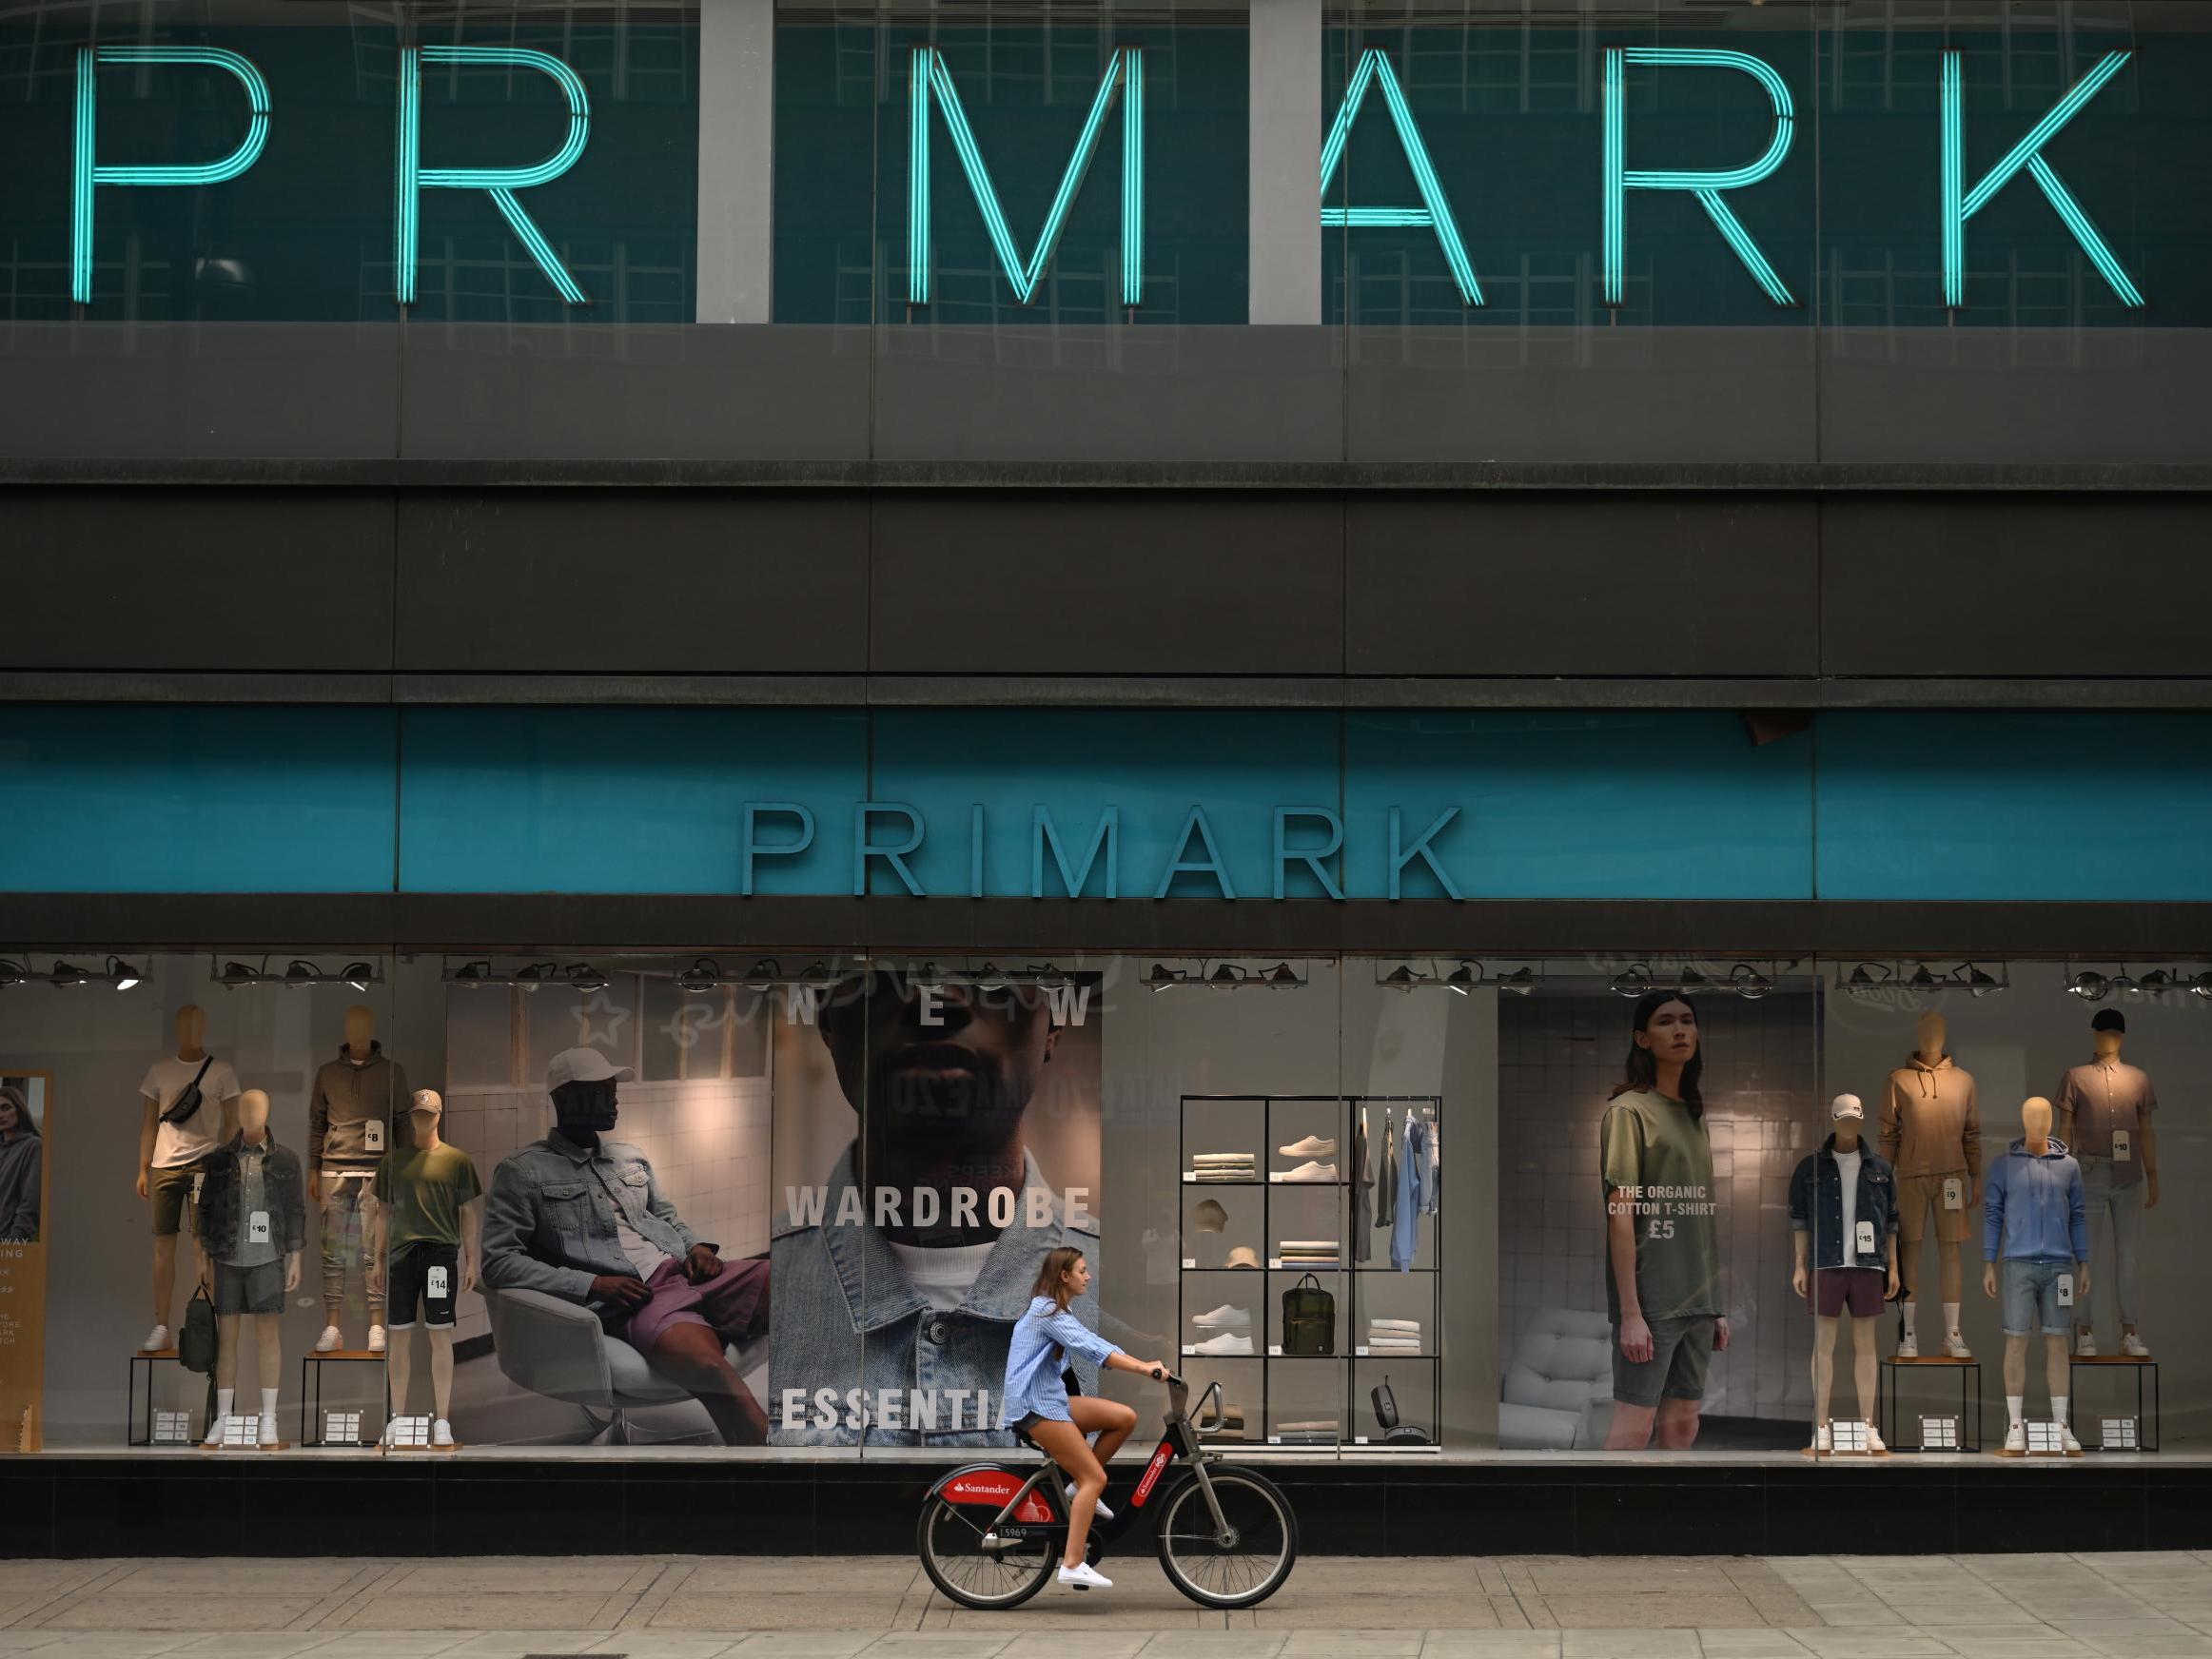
1662 1238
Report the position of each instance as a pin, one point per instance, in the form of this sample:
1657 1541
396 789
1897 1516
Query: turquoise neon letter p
88 172
500 183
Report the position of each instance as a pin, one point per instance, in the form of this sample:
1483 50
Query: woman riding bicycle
1035 1401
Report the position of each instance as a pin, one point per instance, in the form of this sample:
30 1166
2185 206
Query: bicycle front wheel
959 1564
1240 1568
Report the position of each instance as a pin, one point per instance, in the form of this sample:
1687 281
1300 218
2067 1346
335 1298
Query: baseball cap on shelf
1846 1106
1209 1216
2108 1020
1243 1255
584 1065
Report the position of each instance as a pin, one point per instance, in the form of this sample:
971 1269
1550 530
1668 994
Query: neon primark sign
935 100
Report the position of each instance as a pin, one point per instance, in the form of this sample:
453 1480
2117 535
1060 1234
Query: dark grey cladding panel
231 580
1589 395
483 391
628 581
2037 586
1045 392
1695 585
1164 582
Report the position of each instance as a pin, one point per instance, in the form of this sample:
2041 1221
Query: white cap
1846 1106
583 1065
426 1101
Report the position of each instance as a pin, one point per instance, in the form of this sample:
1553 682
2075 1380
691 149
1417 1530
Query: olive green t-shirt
1657 1158
425 1192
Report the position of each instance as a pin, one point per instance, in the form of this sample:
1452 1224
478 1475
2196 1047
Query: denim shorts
2029 1294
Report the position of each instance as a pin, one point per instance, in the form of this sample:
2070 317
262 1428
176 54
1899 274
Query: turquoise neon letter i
1960 204
500 183
1435 212
1706 186
1123 77
88 172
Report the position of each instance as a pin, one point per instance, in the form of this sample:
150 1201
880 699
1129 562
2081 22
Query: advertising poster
26 1100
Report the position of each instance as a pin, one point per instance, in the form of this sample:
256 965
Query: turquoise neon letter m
1435 212
1123 77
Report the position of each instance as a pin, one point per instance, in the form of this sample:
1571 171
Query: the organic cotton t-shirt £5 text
1658 1164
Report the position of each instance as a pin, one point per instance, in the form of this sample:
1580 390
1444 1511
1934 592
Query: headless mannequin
361 1031
1865 1356
2035 1123
425 1112
1931 1042
253 1122
191 1047
2105 1047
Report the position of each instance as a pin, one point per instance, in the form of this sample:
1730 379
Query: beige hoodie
1929 1122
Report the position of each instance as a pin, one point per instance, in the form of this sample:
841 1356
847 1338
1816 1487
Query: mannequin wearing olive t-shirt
1662 1242
426 1199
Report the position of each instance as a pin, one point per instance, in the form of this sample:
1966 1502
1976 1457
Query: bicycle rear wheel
958 1564
1246 1567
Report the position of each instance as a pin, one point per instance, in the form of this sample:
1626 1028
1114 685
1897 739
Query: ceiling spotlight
2200 985
1401 978
360 975
704 974
2124 986
1693 981
1521 982
2156 983
66 974
1921 979
1869 975
302 973
1633 981
988 977
762 974
586 978
2090 986
1465 978
236 973
1227 978
1747 981
1282 974
121 974
472 974
1980 984
817 973
14 973
1160 976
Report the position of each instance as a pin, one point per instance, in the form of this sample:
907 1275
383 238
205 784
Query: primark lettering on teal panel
2027 807
630 800
1091 171
197 800
1576 806
1103 804
502 171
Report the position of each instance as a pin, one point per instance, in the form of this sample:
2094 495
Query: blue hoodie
2033 1209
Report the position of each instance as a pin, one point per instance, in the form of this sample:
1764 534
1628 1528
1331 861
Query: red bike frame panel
1153 1471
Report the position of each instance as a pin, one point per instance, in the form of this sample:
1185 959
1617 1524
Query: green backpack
1309 1320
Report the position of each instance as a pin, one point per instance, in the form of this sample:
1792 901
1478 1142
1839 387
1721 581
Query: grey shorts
1681 1350
249 1290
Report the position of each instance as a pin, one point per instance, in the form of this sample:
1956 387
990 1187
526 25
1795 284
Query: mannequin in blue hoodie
2035 1253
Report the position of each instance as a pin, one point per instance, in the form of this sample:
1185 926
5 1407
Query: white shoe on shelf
1223 1319
1909 1346
376 1341
2131 1346
268 1429
156 1340
2085 1345
2067 1440
1228 1342
1312 1172
1874 1439
1954 1347
1084 1578
1099 1511
2016 1439
1312 1146
441 1433
330 1341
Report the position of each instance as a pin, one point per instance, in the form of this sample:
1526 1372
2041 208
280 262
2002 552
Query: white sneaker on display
2085 1345
156 1340
376 1341
1954 1347
1909 1346
1227 1343
2067 1440
1312 1146
1874 1439
441 1433
268 1431
2132 1345
1084 1578
2016 1439
1099 1511
1313 1172
330 1341
214 1433
1223 1319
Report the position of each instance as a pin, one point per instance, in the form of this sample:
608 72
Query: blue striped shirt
1043 1339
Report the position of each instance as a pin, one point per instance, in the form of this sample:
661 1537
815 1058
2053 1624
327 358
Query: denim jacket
548 1221
1816 1193
847 1318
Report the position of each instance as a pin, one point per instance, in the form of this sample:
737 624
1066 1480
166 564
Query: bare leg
441 1369
1070 1450
1111 1421
1677 1424
2054 1366
1632 1427
692 1356
226 1349
269 1356
1864 1360
165 1276
1952 1275
2016 1365
1822 1368
399 1367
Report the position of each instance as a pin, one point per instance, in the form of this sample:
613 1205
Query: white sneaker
1084 1578
2085 1345
268 1429
330 1341
2016 1439
1099 1511
1874 1439
156 1340
1954 1347
2067 1440
1313 1172
1909 1346
1312 1146
1223 1319
2132 1345
441 1433
376 1341
1823 1441
1227 1343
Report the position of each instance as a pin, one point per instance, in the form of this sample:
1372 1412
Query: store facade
1225 735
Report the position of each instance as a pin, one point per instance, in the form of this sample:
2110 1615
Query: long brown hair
1052 1275
1643 1065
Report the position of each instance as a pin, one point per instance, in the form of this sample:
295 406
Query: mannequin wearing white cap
252 1225
425 1224
1843 1219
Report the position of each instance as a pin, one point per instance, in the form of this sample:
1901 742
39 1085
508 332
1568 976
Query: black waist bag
1309 1320
187 1105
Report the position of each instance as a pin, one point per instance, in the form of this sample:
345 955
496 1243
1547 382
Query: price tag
2121 1152
2066 1290
1275 1439
438 1289
1274 1350
1954 1193
1866 1230
1188 1351
1190 1263
373 1133
1274 1262
1359 1440
199 1181
1358 1353
1275 1175
257 1227
1190 1175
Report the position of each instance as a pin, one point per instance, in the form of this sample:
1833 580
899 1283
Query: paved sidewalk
1965 1607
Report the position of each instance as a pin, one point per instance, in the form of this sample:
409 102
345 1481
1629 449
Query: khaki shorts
1919 1193
172 1192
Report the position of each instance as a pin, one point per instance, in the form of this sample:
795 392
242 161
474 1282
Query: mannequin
1843 1214
2035 1244
426 1226
1931 1137
2104 1118
357 1100
171 1154
252 1226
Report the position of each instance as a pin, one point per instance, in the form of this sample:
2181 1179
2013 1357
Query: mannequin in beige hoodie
1932 1134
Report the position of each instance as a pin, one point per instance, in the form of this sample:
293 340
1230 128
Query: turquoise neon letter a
1435 211
1123 77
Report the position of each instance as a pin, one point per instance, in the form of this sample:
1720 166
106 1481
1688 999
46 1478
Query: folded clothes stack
1226 1166
1308 1432
1232 1423
1305 1253
1394 1336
